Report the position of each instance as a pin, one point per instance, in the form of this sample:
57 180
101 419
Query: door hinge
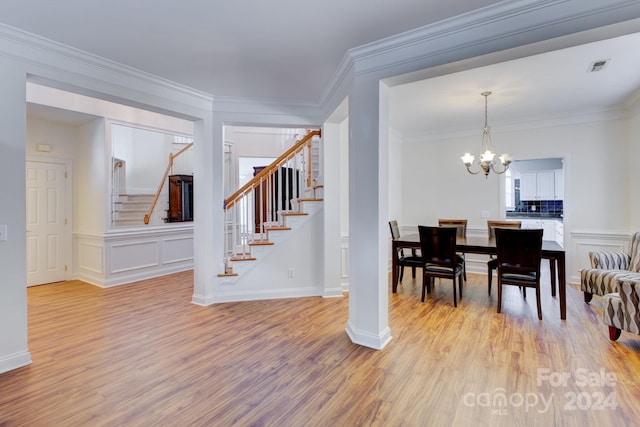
65 268
65 175
65 221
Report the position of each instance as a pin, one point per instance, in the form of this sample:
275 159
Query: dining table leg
552 271
562 285
394 268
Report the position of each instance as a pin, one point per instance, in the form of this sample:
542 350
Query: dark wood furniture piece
274 194
180 198
403 259
439 258
484 245
492 264
461 226
519 254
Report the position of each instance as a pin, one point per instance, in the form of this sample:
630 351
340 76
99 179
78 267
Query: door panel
46 227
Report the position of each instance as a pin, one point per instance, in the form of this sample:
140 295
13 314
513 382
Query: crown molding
492 28
446 28
498 27
47 54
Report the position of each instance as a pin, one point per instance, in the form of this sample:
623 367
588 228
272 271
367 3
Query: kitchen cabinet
538 186
545 185
528 186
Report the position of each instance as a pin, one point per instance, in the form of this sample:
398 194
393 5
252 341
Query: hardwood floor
142 354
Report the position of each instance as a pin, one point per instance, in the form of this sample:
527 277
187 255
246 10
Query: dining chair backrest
460 224
518 250
395 231
492 225
438 245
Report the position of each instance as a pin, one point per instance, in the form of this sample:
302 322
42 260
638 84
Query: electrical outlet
291 273
3 232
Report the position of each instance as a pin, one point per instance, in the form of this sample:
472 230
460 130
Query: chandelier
488 162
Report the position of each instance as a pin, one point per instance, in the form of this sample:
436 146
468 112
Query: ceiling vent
598 65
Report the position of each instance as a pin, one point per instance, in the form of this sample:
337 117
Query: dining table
551 250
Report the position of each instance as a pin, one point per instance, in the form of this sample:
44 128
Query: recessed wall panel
177 250
133 256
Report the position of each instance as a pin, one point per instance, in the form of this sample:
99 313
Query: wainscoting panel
134 255
90 256
88 259
177 250
585 242
126 256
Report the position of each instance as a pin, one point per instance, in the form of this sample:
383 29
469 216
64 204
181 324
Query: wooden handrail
230 201
172 156
117 165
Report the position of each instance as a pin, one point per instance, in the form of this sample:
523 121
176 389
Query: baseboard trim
201 300
376 342
15 361
254 295
333 293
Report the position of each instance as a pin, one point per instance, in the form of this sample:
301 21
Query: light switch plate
3 232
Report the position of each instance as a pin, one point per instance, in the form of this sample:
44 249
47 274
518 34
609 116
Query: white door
46 201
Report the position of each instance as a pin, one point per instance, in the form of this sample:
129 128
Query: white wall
269 276
437 185
145 156
632 165
344 178
61 137
395 175
261 141
90 177
13 292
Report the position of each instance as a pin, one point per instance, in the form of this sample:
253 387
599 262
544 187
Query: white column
331 181
208 215
368 323
13 284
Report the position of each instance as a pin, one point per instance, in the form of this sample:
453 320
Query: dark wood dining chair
461 227
519 254
439 259
411 259
492 264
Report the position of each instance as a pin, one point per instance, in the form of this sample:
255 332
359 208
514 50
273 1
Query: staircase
272 206
130 209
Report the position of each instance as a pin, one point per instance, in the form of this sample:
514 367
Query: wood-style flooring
143 355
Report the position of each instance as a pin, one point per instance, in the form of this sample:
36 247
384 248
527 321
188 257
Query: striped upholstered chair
610 268
621 309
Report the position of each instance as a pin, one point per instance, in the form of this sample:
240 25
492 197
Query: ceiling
541 87
279 50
